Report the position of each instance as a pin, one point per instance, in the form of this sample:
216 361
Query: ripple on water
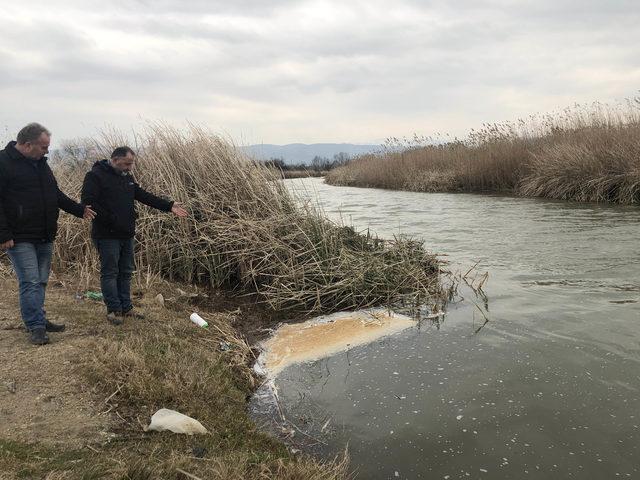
548 389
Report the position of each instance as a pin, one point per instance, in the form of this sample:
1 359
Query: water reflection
547 389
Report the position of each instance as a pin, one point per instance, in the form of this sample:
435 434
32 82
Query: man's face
123 164
38 148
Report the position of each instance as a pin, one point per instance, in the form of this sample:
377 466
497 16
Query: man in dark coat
29 207
111 190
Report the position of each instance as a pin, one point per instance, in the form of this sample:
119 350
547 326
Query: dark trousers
116 268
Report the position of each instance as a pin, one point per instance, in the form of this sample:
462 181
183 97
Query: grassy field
587 154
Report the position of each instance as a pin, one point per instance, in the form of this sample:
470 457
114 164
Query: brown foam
328 335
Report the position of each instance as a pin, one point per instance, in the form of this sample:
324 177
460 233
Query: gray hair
31 133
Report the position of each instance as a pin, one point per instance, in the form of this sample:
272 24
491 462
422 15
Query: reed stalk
246 232
585 153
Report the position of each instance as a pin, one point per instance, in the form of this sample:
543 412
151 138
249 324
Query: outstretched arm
150 199
75 208
71 206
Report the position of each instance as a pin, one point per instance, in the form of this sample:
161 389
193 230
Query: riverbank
246 235
76 408
585 154
286 174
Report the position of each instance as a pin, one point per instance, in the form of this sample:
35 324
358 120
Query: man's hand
178 210
88 213
6 245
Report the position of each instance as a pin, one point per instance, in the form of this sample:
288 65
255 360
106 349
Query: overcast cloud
310 71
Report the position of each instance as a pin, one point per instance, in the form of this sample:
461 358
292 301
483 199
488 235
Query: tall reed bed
246 231
583 153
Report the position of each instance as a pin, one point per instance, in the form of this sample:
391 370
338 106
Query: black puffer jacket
30 199
111 194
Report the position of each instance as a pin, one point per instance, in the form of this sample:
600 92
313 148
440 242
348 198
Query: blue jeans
32 264
116 268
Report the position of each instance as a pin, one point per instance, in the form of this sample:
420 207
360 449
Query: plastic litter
160 300
176 422
198 320
93 295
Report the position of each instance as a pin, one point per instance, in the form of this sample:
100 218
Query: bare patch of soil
43 396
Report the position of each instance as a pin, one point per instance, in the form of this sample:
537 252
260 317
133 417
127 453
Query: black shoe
39 336
115 318
55 327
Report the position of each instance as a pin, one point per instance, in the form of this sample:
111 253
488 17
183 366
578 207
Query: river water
549 388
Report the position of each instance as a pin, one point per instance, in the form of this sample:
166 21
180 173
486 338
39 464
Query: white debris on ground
176 422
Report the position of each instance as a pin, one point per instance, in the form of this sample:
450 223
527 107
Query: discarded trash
182 293
93 295
198 320
176 422
225 346
160 300
258 367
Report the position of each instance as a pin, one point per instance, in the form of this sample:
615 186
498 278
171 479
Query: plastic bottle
198 320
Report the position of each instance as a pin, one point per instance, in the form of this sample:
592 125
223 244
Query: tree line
318 163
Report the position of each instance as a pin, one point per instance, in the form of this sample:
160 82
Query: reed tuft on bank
585 153
246 231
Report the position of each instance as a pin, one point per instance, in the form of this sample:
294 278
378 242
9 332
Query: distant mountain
303 153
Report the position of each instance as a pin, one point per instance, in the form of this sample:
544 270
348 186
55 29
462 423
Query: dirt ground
43 397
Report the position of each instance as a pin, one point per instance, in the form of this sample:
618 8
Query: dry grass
161 362
583 153
246 232
185 368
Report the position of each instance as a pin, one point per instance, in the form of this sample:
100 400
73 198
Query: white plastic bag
176 422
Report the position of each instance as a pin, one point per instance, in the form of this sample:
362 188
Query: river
549 388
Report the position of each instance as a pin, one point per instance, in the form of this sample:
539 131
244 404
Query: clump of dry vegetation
586 153
247 232
132 371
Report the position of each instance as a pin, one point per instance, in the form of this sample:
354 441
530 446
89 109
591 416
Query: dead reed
246 231
129 373
585 153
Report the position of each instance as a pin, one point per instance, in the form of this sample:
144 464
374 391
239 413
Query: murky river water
549 388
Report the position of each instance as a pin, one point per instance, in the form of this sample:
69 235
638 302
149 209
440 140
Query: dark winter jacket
111 194
30 198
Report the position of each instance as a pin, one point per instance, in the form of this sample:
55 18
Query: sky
285 71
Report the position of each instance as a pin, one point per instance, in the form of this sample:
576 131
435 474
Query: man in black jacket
111 190
29 207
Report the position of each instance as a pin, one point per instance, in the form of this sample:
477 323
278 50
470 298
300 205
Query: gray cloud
314 71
